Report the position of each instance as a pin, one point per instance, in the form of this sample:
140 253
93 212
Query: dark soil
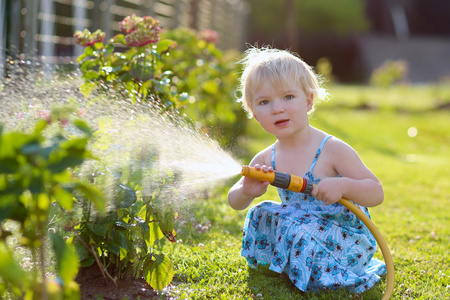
93 285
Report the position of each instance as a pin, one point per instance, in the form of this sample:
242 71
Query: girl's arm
357 183
246 189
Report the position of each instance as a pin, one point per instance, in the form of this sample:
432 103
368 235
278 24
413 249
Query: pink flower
128 24
86 38
209 36
140 31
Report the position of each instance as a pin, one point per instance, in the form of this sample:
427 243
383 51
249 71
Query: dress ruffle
315 252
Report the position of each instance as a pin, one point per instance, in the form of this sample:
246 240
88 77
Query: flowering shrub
86 38
135 72
140 31
208 35
179 68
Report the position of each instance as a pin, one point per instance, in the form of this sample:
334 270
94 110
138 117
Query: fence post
29 33
194 14
2 36
15 28
47 34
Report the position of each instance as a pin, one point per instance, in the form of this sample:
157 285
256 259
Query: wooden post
47 30
30 30
2 36
291 25
194 13
14 28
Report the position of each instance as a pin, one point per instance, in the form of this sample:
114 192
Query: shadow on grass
266 284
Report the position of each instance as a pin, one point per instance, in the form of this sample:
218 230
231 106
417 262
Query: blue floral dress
318 246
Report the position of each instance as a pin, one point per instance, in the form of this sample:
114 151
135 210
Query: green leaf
91 75
81 57
125 196
66 162
112 247
119 39
143 72
93 194
9 165
98 229
64 197
109 48
66 258
10 271
164 45
86 88
120 238
31 148
40 126
210 86
98 45
159 272
83 126
89 51
154 233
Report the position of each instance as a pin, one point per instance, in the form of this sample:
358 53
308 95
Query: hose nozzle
279 179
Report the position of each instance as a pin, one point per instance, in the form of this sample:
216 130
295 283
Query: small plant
123 241
390 73
36 176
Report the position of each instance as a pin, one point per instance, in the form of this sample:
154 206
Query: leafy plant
36 174
124 240
389 73
209 76
183 70
135 70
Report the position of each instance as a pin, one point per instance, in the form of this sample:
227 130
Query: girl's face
281 110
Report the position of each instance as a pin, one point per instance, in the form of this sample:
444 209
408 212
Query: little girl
316 241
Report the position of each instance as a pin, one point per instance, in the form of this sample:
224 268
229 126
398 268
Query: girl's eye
264 102
288 97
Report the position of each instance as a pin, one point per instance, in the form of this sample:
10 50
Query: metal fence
44 28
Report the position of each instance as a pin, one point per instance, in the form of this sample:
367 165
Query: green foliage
389 73
210 76
123 240
36 174
184 71
133 72
342 17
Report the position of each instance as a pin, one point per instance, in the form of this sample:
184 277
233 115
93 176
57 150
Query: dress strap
318 152
273 156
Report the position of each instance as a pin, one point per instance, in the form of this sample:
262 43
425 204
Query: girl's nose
277 107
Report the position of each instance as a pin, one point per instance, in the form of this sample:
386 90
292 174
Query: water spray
301 185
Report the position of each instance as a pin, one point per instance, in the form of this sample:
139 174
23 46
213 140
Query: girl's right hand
254 188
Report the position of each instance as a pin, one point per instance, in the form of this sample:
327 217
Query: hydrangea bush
130 63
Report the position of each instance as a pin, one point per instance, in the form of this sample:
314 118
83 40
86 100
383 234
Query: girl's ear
254 116
310 101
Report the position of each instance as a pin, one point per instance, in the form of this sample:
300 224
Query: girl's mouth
281 122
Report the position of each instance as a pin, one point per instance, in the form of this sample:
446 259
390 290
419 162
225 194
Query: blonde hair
279 67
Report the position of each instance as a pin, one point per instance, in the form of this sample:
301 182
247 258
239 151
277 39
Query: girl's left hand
328 190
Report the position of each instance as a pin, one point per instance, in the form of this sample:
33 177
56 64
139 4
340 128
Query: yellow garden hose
299 184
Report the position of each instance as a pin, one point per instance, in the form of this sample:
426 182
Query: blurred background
347 39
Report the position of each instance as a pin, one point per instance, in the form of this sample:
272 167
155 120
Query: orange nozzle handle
279 179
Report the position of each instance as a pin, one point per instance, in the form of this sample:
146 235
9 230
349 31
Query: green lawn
414 218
